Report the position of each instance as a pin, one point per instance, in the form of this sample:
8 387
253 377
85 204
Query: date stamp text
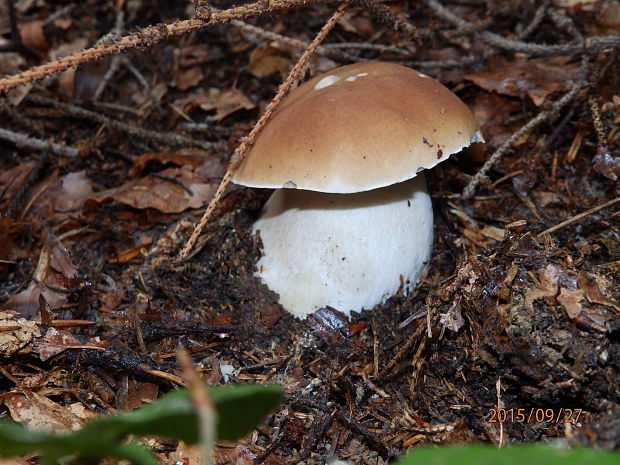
537 415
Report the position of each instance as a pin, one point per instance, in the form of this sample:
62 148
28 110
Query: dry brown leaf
54 342
15 333
189 77
571 301
593 292
535 78
40 413
548 286
138 393
193 157
165 195
223 102
270 60
33 36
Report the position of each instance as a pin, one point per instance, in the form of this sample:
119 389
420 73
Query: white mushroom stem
347 251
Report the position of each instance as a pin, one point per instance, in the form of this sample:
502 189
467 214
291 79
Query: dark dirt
506 319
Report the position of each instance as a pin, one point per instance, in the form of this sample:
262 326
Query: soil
513 335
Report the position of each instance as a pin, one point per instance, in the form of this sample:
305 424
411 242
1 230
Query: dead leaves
40 413
273 59
571 292
16 333
224 102
536 79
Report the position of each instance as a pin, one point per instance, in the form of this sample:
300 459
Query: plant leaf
530 454
240 409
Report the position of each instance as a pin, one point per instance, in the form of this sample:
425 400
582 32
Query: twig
597 121
578 217
150 36
246 143
384 16
165 137
574 48
293 43
539 14
25 141
529 126
115 62
207 415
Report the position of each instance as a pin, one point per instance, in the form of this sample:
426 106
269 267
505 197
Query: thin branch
574 48
25 141
578 217
248 140
150 36
540 118
293 43
164 137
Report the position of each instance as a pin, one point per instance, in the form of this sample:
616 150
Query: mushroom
351 221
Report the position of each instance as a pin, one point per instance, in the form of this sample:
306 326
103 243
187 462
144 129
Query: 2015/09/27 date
536 415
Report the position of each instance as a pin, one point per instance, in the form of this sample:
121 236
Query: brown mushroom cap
357 128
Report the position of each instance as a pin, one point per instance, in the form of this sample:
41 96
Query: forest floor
104 172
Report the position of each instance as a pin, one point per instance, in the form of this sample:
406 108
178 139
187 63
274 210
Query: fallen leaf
224 102
593 292
54 342
189 77
547 287
15 332
138 393
535 78
33 36
192 157
39 413
273 59
165 193
571 301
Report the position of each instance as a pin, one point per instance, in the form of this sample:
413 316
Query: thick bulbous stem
347 251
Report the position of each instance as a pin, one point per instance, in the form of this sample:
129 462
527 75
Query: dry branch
577 47
150 36
25 141
248 140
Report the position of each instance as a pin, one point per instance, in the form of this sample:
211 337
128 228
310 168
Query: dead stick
525 129
205 410
248 140
25 141
578 217
150 36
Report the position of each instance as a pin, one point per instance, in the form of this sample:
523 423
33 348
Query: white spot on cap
353 78
422 75
326 81
289 185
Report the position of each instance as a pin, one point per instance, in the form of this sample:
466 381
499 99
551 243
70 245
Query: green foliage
523 454
239 408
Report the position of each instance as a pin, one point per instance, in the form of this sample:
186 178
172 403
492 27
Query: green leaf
17 440
240 409
530 454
